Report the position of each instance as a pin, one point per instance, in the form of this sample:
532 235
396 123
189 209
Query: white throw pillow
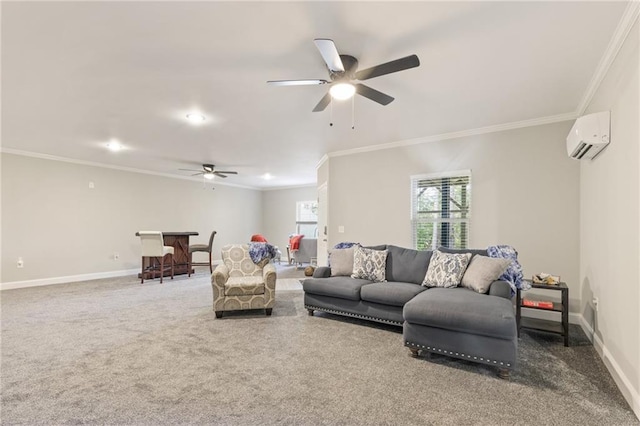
341 261
446 269
482 271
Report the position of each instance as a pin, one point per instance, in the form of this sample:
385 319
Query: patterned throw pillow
446 269
369 264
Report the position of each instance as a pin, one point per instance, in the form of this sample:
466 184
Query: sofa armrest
500 289
322 272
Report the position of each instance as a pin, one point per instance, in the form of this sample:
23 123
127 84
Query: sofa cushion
369 264
378 247
244 286
482 271
446 269
340 287
473 252
390 293
460 309
407 265
341 261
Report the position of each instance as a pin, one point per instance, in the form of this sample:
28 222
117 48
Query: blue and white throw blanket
261 253
345 245
513 275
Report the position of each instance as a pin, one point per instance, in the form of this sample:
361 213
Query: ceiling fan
209 172
343 74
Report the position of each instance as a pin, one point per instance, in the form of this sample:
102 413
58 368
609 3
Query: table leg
565 315
518 309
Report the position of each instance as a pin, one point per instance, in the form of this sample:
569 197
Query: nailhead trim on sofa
459 355
349 314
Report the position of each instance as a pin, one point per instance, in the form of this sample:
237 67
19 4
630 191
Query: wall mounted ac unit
589 135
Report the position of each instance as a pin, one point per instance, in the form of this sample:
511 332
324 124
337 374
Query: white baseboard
622 381
69 279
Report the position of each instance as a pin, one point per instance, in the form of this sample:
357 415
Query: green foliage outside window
441 212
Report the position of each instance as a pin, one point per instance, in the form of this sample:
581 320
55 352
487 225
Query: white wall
61 228
279 213
524 193
610 225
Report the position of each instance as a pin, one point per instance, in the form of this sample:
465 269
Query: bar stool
153 247
194 248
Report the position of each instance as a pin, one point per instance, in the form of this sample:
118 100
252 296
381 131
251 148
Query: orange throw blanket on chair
294 242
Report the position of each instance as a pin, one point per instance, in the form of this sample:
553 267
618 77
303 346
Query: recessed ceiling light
267 176
195 118
114 146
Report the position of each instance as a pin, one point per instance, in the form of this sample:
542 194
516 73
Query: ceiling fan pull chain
331 114
353 113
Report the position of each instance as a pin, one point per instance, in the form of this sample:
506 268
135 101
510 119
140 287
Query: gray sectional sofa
456 322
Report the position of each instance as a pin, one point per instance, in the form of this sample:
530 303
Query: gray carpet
117 352
284 270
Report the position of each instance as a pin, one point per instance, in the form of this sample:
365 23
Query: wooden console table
180 243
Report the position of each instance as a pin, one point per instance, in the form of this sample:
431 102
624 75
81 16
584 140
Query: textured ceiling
75 75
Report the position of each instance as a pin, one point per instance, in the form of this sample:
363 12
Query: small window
307 218
441 210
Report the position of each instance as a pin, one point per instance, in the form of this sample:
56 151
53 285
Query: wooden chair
194 248
153 248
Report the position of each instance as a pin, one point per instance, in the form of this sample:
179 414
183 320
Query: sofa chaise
457 322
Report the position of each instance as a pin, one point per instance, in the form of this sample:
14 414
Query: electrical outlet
91 185
20 263
595 303
116 256
341 229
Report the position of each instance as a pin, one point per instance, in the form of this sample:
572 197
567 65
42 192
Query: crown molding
279 188
629 18
112 167
463 133
322 161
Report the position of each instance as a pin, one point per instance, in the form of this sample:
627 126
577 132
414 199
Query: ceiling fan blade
373 94
226 173
219 174
296 82
330 54
326 100
389 67
197 174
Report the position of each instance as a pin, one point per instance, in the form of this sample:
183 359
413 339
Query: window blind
307 218
441 209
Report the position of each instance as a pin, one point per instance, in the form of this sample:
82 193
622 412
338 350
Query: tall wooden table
180 243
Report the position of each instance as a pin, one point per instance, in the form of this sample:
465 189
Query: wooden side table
561 328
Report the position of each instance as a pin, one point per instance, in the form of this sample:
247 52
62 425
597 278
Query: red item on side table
537 304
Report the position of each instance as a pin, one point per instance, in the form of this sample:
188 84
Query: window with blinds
441 210
307 218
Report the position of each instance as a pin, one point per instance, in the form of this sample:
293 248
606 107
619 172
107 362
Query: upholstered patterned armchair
239 283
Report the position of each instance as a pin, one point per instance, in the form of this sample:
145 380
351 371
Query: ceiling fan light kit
342 91
343 74
209 172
